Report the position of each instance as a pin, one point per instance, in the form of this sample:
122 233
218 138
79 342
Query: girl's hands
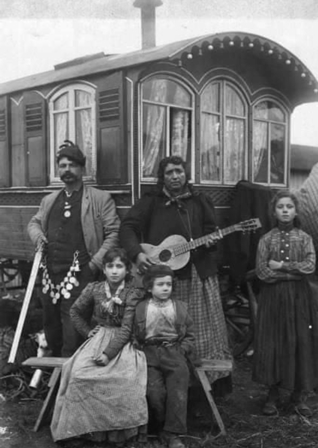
93 331
275 265
102 360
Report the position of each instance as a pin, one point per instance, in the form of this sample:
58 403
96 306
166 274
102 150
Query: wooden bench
56 364
213 365
44 363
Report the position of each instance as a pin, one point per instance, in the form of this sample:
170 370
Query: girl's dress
286 340
107 402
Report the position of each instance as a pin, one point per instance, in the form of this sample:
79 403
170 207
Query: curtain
234 150
174 97
277 153
180 133
154 129
84 138
153 139
83 128
210 147
260 152
61 133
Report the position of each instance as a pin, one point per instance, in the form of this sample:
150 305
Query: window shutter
4 143
111 135
35 138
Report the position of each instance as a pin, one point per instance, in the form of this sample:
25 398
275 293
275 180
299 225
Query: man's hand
102 360
275 265
93 267
143 262
42 240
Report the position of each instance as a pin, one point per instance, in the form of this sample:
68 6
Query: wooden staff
26 303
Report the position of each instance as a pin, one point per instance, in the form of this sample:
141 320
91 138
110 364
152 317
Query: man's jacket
100 222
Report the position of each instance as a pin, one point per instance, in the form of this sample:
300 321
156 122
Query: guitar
174 251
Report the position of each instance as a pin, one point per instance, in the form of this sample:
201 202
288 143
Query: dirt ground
240 410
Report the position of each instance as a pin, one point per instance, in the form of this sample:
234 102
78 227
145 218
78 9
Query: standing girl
103 385
286 340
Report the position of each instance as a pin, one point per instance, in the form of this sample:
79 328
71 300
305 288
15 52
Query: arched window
167 113
223 134
269 143
73 117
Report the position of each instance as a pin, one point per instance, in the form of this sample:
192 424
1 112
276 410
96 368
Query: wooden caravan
222 101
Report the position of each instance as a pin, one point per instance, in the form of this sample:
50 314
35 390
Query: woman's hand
213 239
143 262
93 331
102 360
275 265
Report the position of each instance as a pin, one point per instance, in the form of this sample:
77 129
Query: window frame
70 89
168 107
269 123
223 82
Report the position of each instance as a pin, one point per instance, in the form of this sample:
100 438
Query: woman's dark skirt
286 339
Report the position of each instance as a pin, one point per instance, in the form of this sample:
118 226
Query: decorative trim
17 103
67 83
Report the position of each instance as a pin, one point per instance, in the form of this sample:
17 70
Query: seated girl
103 385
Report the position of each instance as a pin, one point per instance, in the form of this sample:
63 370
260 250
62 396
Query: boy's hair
156 271
117 252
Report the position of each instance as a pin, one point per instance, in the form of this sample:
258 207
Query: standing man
77 225
176 209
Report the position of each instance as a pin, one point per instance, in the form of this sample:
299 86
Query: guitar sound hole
165 255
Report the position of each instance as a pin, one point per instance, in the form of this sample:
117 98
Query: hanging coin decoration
62 289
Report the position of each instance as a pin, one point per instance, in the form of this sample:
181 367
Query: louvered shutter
35 138
111 156
4 143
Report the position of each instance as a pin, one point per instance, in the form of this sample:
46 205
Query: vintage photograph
158 224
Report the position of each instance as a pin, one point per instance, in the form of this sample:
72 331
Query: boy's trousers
167 387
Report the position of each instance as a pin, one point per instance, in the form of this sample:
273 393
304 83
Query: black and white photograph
158 224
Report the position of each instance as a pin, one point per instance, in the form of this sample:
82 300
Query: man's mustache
68 174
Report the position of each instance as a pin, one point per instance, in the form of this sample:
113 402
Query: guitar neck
190 245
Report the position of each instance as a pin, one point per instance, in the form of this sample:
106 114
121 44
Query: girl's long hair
118 252
285 194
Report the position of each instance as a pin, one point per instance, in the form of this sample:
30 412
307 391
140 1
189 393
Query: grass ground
241 412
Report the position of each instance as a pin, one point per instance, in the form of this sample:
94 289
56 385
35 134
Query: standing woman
175 208
286 340
102 394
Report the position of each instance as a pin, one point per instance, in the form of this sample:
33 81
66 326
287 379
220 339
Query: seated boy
163 329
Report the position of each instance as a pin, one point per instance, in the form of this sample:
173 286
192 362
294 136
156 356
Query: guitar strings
187 225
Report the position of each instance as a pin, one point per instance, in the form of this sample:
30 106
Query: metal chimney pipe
148 21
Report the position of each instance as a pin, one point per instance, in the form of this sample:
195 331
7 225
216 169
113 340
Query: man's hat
72 152
156 271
